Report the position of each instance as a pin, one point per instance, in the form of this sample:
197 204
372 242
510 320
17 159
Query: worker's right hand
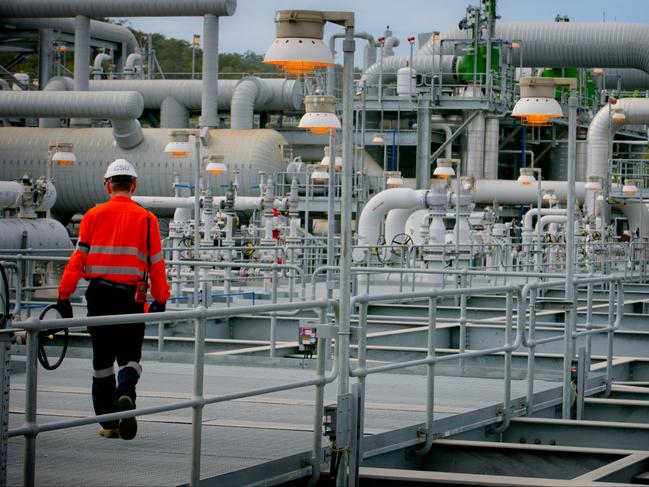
157 307
64 308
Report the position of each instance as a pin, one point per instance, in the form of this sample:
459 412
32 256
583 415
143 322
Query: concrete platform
236 435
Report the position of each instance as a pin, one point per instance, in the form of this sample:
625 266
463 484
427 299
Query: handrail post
316 456
463 320
430 376
273 318
31 380
531 353
197 409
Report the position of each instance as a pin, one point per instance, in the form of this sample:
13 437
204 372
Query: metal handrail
33 326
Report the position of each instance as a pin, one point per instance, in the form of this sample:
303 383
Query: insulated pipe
395 223
514 193
423 145
421 64
97 68
491 141
448 131
242 108
173 114
241 203
475 147
58 83
209 93
133 66
284 94
548 219
389 44
116 8
369 224
534 212
629 79
81 61
570 44
602 130
122 109
45 50
103 31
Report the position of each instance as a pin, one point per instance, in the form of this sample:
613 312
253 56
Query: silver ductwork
115 8
491 147
81 61
475 147
421 64
245 95
569 44
210 83
122 109
602 130
173 114
133 68
97 68
80 185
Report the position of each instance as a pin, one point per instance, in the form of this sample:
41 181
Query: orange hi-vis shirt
113 245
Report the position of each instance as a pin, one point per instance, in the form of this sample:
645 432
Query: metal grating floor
236 435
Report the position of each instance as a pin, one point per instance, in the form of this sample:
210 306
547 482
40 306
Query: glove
157 307
64 307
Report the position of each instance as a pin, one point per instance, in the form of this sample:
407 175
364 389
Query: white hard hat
120 167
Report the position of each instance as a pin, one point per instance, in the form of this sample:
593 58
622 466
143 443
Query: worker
118 251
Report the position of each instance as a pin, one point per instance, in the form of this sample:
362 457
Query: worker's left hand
157 307
64 308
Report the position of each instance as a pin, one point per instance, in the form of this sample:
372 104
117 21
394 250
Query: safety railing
31 427
511 342
571 334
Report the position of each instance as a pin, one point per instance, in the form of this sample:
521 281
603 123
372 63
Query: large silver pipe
602 130
97 68
133 68
246 93
423 145
80 185
387 69
283 94
475 147
209 93
27 104
103 31
81 61
569 44
115 8
122 109
173 114
491 141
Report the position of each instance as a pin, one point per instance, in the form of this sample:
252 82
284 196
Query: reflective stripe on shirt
116 270
156 258
105 249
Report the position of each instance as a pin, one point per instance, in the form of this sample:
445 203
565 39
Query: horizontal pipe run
33 104
116 8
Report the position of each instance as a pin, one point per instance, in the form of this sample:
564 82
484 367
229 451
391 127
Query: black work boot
127 426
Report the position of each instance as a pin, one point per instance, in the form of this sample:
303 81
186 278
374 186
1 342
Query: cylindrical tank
559 165
80 185
41 233
10 191
406 81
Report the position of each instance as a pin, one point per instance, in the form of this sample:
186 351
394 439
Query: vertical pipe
362 364
81 62
273 318
430 376
319 404
197 410
342 344
209 87
539 246
31 380
531 353
44 57
508 360
610 337
589 323
331 221
197 212
394 149
570 252
423 144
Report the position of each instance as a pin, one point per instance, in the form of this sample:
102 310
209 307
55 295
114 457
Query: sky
252 27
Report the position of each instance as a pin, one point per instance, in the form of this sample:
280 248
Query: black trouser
114 342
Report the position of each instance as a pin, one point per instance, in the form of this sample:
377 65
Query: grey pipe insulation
123 109
115 8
